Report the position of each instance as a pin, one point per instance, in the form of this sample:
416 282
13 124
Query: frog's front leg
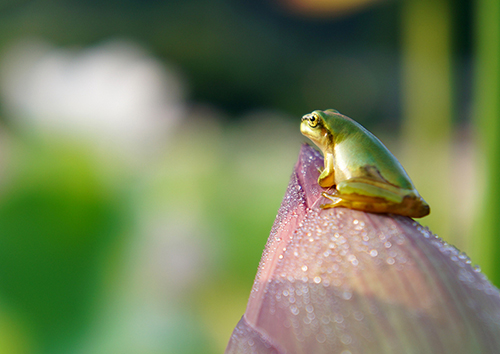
327 177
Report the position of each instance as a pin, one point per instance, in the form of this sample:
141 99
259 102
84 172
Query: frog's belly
343 173
349 165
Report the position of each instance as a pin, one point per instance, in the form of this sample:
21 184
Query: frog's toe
336 201
333 197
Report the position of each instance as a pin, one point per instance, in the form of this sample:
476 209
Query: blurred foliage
427 137
105 252
487 119
57 223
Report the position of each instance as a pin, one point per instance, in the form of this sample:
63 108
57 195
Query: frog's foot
336 200
354 201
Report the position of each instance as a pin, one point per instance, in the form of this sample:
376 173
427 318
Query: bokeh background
145 147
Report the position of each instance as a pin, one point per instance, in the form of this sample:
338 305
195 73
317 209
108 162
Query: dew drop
390 260
321 338
358 315
317 280
346 339
373 253
347 295
304 268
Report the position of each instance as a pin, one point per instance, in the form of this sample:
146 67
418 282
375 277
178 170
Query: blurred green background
145 147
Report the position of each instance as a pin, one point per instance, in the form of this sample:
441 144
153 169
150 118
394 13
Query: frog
359 171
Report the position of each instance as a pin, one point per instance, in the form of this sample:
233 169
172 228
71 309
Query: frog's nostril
307 116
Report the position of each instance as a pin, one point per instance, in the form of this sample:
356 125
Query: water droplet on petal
321 338
358 315
346 339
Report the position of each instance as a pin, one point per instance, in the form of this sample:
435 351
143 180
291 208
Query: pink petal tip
346 281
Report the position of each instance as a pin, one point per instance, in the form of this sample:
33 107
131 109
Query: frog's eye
313 120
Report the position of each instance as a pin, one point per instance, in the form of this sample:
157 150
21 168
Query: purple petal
346 281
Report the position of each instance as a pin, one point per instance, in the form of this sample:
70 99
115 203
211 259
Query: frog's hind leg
368 195
363 188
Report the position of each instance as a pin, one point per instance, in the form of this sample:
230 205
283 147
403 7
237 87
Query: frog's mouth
306 117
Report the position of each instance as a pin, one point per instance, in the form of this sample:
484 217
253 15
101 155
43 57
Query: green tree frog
361 172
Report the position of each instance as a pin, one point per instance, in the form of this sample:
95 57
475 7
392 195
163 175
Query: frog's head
315 127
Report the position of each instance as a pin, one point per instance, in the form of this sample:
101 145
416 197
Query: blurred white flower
113 94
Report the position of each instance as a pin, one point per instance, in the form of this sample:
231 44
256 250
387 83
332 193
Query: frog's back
356 146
